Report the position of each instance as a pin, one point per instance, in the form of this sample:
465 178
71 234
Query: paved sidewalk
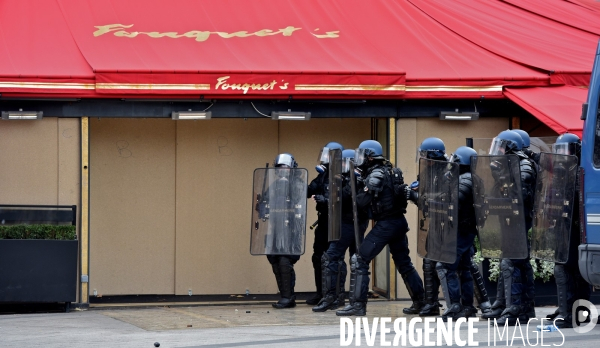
200 326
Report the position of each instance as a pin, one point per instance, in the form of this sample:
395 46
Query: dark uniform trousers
337 249
392 232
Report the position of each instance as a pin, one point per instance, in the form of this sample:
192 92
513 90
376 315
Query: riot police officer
511 286
434 149
333 266
282 264
570 285
534 156
527 276
318 190
467 229
383 194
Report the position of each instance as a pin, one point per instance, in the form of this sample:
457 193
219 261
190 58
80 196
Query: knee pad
428 265
358 264
441 270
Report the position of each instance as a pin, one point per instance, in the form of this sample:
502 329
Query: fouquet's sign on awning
121 30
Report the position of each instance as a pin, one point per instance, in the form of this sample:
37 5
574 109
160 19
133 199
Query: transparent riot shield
279 211
553 207
335 195
438 210
354 207
498 202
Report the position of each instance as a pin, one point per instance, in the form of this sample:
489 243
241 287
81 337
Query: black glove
320 199
411 195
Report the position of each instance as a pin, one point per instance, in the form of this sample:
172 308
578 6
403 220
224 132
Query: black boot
454 311
288 278
413 284
328 285
499 305
528 309
326 303
358 309
511 315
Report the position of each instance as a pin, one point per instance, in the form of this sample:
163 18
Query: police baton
312 227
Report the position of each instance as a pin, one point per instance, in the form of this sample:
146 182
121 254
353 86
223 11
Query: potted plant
38 261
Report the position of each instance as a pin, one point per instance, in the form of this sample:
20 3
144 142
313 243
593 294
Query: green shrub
59 232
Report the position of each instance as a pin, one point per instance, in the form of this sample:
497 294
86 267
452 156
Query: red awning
564 52
557 107
563 12
236 48
38 53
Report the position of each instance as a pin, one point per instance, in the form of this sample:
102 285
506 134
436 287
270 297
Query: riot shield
335 195
354 207
498 202
438 210
553 207
279 211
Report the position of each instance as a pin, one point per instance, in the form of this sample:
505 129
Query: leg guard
288 281
341 282
479 289
430 281
442 275
275 267
561 279
288 277
316 261
359 282
328 276
508 269
528 296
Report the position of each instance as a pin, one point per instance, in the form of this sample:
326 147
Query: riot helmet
347 156
285 160
462 156
368 149
324 155
567 144
432 148
525 136
506 142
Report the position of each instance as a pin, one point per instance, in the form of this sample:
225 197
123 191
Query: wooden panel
215 164
304 140
29 160
132 206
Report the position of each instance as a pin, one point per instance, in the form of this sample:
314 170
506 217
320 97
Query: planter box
545 293
38 270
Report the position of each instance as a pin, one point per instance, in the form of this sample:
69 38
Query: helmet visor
498 147
360 157
436 155
454 159
284 160
323 156
346 164
564 149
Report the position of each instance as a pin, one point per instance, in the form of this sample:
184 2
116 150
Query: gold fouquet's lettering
119 31
327 35
222 83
